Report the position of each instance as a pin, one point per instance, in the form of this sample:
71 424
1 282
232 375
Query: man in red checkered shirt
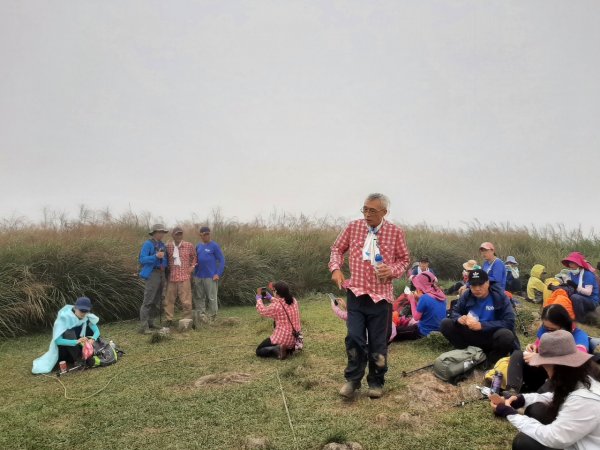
377 254
182 263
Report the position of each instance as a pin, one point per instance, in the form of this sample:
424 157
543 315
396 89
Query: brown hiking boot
348 390
375 392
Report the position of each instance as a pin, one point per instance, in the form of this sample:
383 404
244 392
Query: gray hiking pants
152 298
205 290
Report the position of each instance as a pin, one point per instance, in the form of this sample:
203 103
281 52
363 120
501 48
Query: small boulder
185 324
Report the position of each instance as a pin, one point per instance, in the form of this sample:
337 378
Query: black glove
518 403
504 410
571 284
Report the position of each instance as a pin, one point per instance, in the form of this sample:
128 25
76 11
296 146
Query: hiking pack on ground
105 354
456 365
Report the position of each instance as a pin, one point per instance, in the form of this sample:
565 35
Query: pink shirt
363 280
187 255
282 334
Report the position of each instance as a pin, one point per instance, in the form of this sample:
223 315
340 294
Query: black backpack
105 354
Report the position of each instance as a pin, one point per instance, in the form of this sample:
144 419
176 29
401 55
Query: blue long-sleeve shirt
73 342
496 271
211 261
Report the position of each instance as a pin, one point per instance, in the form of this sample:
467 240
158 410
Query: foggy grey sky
455 109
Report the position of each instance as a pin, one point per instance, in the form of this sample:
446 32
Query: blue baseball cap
83 304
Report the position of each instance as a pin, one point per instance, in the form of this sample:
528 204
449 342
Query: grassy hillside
156 396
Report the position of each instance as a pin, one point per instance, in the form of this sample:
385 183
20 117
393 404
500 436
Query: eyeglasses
370 211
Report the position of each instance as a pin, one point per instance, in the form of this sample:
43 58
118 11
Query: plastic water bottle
378 262
112 344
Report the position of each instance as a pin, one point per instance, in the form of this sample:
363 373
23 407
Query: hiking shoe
349 389
375 392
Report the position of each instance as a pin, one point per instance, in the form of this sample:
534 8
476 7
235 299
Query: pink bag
88 350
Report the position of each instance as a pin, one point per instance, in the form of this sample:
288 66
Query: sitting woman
522 376
74 326
286 314
428 308
585 299
568 417
513 283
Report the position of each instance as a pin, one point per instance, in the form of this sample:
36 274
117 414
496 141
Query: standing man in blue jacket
153 258
209 270
482 317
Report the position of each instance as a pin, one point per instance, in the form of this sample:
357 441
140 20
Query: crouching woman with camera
283 309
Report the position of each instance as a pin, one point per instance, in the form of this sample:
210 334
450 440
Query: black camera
263 292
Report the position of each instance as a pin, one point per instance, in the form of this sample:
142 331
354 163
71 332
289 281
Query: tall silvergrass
44 266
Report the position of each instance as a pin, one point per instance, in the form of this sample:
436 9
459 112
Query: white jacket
577 426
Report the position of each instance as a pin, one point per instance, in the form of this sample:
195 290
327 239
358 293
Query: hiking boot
349 389
375 392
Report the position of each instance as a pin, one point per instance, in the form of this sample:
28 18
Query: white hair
385 201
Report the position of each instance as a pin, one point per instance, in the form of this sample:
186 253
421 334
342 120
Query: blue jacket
148 258
504 314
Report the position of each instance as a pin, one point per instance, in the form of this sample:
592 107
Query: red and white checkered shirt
363 280
282 334
188 257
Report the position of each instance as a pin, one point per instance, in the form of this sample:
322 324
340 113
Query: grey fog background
455 109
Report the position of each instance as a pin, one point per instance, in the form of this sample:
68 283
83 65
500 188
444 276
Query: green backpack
455 365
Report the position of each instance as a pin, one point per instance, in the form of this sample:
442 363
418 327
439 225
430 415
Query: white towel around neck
176 258
370 248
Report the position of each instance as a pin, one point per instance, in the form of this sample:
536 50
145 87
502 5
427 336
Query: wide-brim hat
511 260
158 227
579 259
558 347
470 264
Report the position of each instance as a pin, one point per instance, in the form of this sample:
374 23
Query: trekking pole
410 372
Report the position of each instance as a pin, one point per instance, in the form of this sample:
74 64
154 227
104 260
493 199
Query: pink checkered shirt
392 246
282 334
188 257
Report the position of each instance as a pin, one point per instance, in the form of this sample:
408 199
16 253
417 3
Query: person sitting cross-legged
483 317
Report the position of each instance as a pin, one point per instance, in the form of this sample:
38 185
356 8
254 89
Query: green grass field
157 404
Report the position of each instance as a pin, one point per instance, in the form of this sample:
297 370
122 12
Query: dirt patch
229 321
427 391
223 379
256 443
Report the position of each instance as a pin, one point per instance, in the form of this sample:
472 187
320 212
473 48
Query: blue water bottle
378 262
